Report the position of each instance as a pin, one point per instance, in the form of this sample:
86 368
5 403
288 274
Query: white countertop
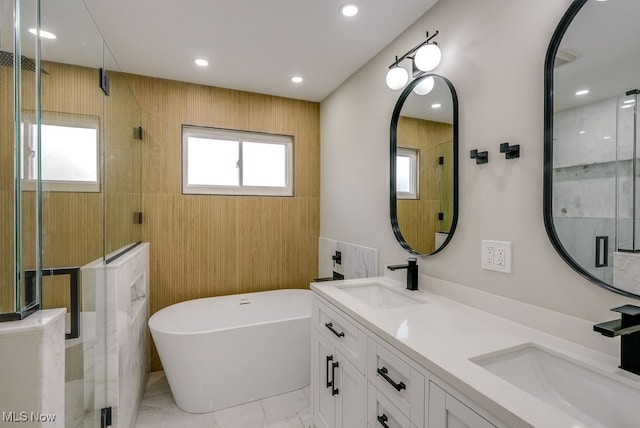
442 336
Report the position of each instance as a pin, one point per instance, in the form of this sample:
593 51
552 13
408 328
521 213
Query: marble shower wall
120 291
592 179
626 271
357 261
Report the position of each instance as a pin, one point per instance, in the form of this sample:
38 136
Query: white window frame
414 173
240 136
29 175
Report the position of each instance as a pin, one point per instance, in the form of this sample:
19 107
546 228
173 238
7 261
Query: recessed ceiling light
607 138
201 62
297 79
629 101
44 34
436 105
583 132
627 106
349 9
582 92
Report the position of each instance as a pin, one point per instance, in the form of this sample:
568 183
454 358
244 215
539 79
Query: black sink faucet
629 328
412 272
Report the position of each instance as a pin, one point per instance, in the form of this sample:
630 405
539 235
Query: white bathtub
219 352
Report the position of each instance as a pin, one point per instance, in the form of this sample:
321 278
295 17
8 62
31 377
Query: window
407 167
227 162
69 153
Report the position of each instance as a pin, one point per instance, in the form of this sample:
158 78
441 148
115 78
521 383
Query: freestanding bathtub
220 352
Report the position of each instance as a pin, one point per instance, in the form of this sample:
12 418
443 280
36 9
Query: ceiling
604 39
251 45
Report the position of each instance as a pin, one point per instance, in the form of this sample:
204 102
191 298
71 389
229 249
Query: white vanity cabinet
360 380
396 388
446 411
338 382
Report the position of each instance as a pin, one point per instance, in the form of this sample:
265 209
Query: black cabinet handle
383 420
329 382
334 391
398 386
330 327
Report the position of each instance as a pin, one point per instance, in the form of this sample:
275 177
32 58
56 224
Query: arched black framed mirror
424 165
591 145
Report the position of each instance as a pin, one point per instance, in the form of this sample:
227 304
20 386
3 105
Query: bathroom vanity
383 356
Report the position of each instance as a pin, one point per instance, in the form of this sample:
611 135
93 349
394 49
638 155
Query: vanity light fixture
424 57
201 62
582 92
349 9
44 34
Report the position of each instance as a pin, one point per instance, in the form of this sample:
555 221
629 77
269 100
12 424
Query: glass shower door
628 170
71 121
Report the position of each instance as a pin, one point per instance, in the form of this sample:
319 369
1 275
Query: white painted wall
493 52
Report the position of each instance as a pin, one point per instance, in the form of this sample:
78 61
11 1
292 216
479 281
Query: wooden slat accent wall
204 245
418 219
6 190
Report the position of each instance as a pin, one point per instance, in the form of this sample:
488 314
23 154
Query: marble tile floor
158 410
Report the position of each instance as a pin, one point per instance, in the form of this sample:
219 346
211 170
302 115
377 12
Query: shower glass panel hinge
441 160
137 133
105 417
104 81
137 218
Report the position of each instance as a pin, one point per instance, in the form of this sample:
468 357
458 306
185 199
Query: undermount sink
380 296
594 398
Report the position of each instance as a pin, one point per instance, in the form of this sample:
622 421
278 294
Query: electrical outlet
490 255
496 255
499 259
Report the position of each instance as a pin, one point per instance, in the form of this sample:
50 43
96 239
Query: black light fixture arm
414 49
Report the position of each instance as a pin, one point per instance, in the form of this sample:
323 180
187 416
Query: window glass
69 148
213 162
407 173
403 169
69 153
264 164
227 162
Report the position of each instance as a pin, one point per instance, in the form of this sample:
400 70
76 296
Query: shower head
27 64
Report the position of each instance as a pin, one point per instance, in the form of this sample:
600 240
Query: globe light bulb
397 77
427 57
425 86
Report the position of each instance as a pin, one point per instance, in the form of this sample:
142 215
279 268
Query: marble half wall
626 271
356 261
32 370
120 291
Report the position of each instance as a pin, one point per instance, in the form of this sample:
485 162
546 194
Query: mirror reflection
424 165
592 188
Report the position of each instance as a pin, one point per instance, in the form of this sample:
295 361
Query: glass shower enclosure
628 175
70 179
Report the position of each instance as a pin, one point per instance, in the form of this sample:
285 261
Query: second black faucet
412 272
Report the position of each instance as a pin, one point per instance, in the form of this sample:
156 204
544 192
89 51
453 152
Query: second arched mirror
424 165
